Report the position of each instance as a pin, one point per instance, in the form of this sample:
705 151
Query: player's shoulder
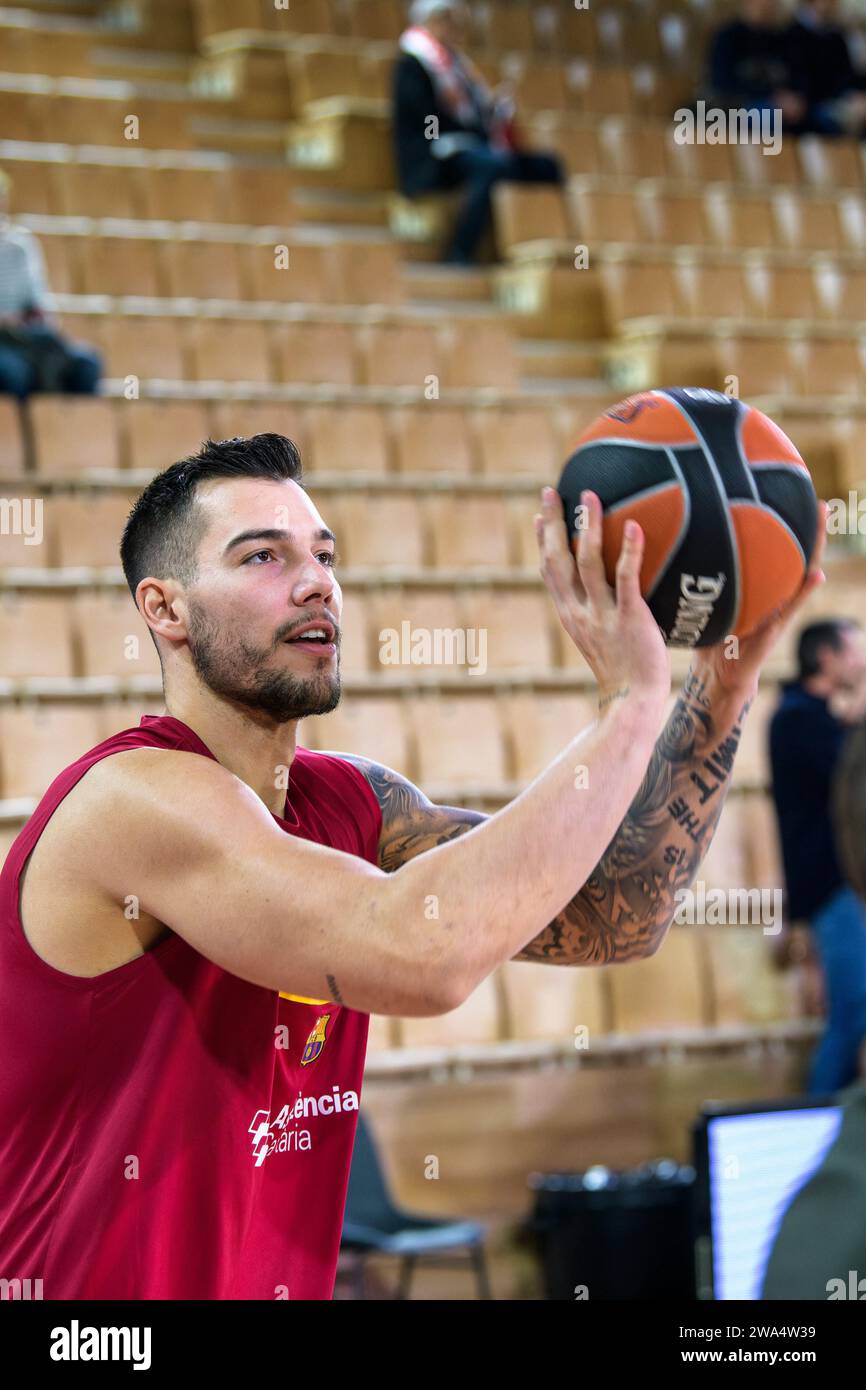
389 787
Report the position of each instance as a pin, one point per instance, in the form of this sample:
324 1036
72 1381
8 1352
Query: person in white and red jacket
451 130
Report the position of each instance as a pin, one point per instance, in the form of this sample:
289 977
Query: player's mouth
315 637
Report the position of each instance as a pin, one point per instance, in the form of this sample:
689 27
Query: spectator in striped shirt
34 356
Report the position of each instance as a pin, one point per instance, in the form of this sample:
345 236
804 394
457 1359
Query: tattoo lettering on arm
625 908
334 991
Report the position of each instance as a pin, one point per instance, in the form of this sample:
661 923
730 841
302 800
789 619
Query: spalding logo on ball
727 507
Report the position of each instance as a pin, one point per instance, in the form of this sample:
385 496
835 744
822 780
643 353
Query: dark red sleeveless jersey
166 1129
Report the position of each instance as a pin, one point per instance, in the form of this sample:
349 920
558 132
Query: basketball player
198 918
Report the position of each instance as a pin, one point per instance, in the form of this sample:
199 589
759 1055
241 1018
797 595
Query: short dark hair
816 638
163 530
849 806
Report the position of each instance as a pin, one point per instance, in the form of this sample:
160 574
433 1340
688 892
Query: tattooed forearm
627 904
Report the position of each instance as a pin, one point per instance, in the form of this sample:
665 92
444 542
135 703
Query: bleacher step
335 208
552 358
425 282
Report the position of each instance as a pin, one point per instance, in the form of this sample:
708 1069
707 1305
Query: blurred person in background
451 130
33 354
824 71
750 65
807 734
820 1248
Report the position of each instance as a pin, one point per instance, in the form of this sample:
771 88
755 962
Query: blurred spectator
33 354
824 73
822 1237
451 130
750 65
807 734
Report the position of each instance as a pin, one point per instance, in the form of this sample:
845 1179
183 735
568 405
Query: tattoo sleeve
626 906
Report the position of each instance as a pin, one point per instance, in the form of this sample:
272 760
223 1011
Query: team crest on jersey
316 1041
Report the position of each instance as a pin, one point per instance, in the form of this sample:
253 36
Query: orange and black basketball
726 503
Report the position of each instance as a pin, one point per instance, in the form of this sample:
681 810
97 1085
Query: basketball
726 503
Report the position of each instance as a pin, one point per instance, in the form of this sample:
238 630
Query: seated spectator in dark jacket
749 65
33 354
450 129
824 72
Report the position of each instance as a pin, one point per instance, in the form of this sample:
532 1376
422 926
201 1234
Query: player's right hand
614 630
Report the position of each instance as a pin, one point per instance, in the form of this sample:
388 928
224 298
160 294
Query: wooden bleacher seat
354 633
100 190
516 443
522 507
73 433
112 638
701 163
34 636
62 256
230 350
810 223
676 219
478 353
205 270
629 150
121 265
182 195
432 438
426 610
315 353
549 1003
233 419
604 216
746 987
34 186
376 19
398 354
664 992
259 194
11 439
86 527
753 167
157 433
713 291
469 531
832 366
725 862
347 439
831 164
459 742
363 522
764 366
364 272
145 346
528 213
477 1020
304 279
38 741
634 291
373 726
542 723
517 627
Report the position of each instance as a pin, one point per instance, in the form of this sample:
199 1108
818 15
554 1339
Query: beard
244 674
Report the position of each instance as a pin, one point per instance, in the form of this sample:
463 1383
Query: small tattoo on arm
334 991
613 695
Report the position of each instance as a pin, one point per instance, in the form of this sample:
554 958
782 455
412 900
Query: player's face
265 569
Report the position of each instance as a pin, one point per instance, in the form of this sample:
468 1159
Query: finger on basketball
589 557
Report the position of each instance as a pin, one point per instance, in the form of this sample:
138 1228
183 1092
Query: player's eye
330 558
256 555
